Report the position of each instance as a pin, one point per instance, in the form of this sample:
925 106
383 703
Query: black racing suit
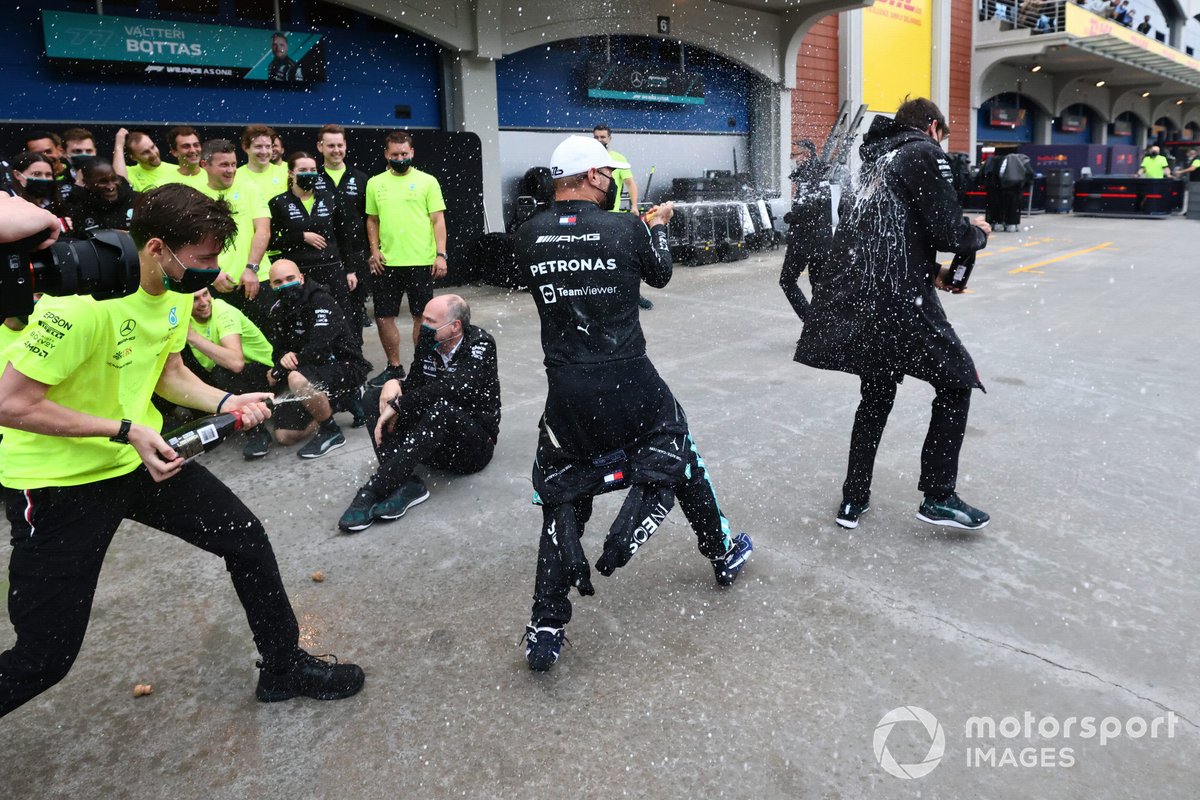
448 414
290 220
610 421
314 328
284 70
351 194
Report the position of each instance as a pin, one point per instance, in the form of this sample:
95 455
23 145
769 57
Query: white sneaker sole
845 523
416 502
950 523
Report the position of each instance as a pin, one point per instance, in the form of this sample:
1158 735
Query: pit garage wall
542 98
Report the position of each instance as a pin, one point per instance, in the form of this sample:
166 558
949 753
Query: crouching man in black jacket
445 414
315 358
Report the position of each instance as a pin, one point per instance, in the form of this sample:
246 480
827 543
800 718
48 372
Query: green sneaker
952 512
401 500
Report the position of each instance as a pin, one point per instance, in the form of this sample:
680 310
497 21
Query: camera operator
34 182
82 454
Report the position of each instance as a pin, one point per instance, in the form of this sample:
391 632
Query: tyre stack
1060 191
1193 200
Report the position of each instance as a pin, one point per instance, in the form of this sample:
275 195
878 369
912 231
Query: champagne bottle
202 435
960 270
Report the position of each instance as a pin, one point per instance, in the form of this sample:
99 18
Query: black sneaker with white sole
952 512
394 505
848 514
359 515
324 441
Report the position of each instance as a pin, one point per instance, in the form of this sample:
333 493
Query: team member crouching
82 453
313 348
445 414
226 347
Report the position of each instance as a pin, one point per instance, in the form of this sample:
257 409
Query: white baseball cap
577 154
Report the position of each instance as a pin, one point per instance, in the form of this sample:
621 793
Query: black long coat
875 311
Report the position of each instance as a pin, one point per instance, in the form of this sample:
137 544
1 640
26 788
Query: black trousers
442 436
939 456
60 536
698 501
1004 205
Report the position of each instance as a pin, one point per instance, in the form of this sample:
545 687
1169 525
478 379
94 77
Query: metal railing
1039 16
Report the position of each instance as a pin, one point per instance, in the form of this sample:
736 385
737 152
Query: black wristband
122 436
223 399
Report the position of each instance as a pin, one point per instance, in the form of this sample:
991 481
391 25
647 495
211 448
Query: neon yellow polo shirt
620 176
143 179
269 183
7 337
99 358
336 175
403 204
1155 166
247 205
197 181
229 321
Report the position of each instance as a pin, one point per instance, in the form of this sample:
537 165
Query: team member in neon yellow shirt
1155 164
83 453
270 179
244 264
149 170
185 147
230 349
625 182
406 230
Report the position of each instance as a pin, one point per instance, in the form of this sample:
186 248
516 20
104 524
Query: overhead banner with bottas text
897 52
90 44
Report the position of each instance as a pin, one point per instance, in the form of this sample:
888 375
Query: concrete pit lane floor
1078 601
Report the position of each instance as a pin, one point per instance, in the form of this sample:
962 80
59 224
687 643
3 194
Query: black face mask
40 188
193 279
307 181
610 194
289 293
400 165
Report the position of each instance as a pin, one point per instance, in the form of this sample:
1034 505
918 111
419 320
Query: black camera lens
104 266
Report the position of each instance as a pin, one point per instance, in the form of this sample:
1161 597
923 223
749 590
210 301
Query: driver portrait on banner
282 68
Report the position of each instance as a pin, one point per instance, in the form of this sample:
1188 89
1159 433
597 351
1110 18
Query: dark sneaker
309 677
644 303
259 444
389 372
848 514
952 512
542 647
323 441
729 565
358 516
410 494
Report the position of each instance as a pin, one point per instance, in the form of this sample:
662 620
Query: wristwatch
122 436
253 268
442 256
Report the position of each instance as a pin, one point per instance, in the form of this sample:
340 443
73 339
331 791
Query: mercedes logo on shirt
636 80
127 327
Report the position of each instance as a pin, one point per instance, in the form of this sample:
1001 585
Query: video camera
105 265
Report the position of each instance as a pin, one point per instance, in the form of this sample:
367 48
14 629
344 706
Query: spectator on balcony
1032 14
1144 27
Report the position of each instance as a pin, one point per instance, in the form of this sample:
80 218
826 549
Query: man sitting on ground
315 358
445 414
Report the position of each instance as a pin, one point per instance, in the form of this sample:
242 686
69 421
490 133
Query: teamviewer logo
548 294
937 746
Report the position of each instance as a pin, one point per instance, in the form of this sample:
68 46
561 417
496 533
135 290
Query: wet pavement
1079 600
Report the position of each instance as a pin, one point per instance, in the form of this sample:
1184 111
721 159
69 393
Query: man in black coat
875 310
315 358
445 414
349 186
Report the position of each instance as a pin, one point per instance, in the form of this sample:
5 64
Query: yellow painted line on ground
1007 249
1064 257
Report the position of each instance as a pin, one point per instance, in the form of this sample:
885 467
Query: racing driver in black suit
610 421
